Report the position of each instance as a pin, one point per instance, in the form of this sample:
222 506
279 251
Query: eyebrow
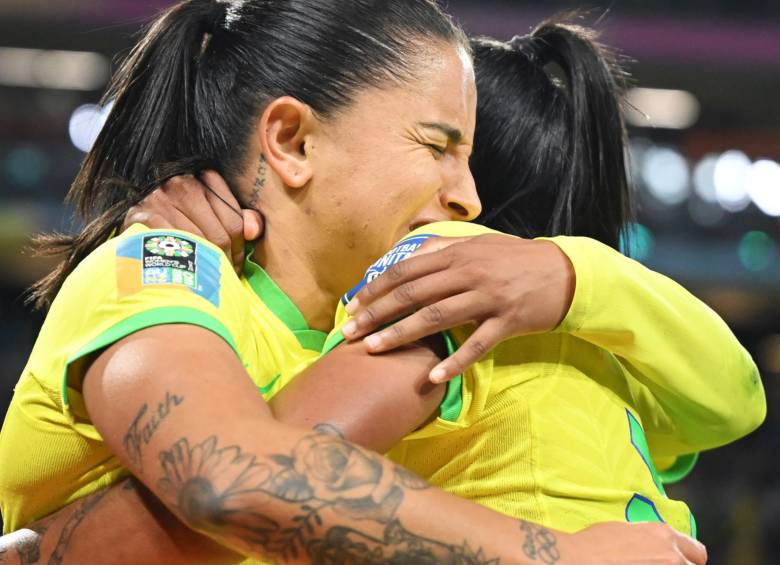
453 134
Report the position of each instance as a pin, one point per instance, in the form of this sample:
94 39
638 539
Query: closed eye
438 150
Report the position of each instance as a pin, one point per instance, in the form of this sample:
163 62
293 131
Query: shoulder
144 278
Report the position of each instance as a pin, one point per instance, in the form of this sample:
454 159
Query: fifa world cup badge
168 259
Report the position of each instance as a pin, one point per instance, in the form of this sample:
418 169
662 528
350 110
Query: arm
695 386
370 388
259 486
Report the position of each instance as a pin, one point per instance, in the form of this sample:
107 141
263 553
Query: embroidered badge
154 259
397 254
169 260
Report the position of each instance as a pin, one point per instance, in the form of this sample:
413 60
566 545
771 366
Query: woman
257 486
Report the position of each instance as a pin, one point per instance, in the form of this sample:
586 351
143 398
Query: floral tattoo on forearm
328 480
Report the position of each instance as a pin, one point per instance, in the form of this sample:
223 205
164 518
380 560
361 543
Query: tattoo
540 543
140 433
397 546
29 547
325 479
87 504
259 183
328 428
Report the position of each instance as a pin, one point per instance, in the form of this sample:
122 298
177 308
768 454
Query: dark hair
549 143
185 98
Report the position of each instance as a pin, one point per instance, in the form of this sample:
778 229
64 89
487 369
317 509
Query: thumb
434 244
253 224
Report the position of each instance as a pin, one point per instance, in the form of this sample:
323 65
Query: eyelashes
437 150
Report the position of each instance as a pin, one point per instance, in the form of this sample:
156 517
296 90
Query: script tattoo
142 428
326 480
540 543
259 182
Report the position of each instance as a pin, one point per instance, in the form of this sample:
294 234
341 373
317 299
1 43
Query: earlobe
284 129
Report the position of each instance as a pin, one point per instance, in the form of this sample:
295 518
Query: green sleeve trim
333 340
147 319
452 403
680 469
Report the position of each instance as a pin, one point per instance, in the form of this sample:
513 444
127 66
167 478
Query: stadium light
729 178
763 186
64 70
661 108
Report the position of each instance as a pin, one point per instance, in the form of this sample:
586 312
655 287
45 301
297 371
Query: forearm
261 487
373 400
699 384
123 524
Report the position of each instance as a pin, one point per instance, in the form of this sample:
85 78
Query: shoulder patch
160 258
401 251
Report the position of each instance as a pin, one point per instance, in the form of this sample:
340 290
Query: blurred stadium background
705 147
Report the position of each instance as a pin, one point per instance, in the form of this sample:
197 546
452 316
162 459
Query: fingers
177 221
484 338
445 314
693 550
413 268
231 223
438 243
191 197
407 298
254 226
139 215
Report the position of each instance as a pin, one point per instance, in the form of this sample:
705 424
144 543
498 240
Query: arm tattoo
87 504
258 184
540 543
326 480
29 547
143 427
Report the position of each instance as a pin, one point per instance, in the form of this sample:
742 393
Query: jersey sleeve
694 384
135 281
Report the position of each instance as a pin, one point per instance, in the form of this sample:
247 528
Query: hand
632 544
505 285
204 206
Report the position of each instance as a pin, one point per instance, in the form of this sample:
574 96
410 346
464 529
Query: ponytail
560 135
148 137
189 94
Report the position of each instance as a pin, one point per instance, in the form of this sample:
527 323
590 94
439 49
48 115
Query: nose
459 196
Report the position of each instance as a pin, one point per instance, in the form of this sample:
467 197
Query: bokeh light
756 250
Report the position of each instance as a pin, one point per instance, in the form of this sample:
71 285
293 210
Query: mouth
419 223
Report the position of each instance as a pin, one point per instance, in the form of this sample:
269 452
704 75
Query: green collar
281 305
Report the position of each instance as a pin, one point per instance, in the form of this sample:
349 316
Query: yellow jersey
549 427
50 451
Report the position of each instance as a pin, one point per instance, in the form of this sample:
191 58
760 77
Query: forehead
441 90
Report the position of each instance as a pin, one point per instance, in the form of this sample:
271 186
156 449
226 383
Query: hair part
549 151
188 95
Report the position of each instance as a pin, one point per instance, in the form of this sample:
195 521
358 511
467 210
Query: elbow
745 409
752 410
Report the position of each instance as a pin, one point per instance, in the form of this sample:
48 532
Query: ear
285 126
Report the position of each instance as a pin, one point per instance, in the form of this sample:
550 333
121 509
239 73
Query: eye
438 150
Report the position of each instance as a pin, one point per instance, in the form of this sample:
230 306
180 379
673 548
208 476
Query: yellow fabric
544 432
51 453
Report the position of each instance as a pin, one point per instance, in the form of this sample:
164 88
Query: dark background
709 215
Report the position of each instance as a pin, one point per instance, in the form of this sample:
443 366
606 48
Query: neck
293 268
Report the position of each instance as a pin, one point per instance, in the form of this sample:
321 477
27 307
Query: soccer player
150 337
